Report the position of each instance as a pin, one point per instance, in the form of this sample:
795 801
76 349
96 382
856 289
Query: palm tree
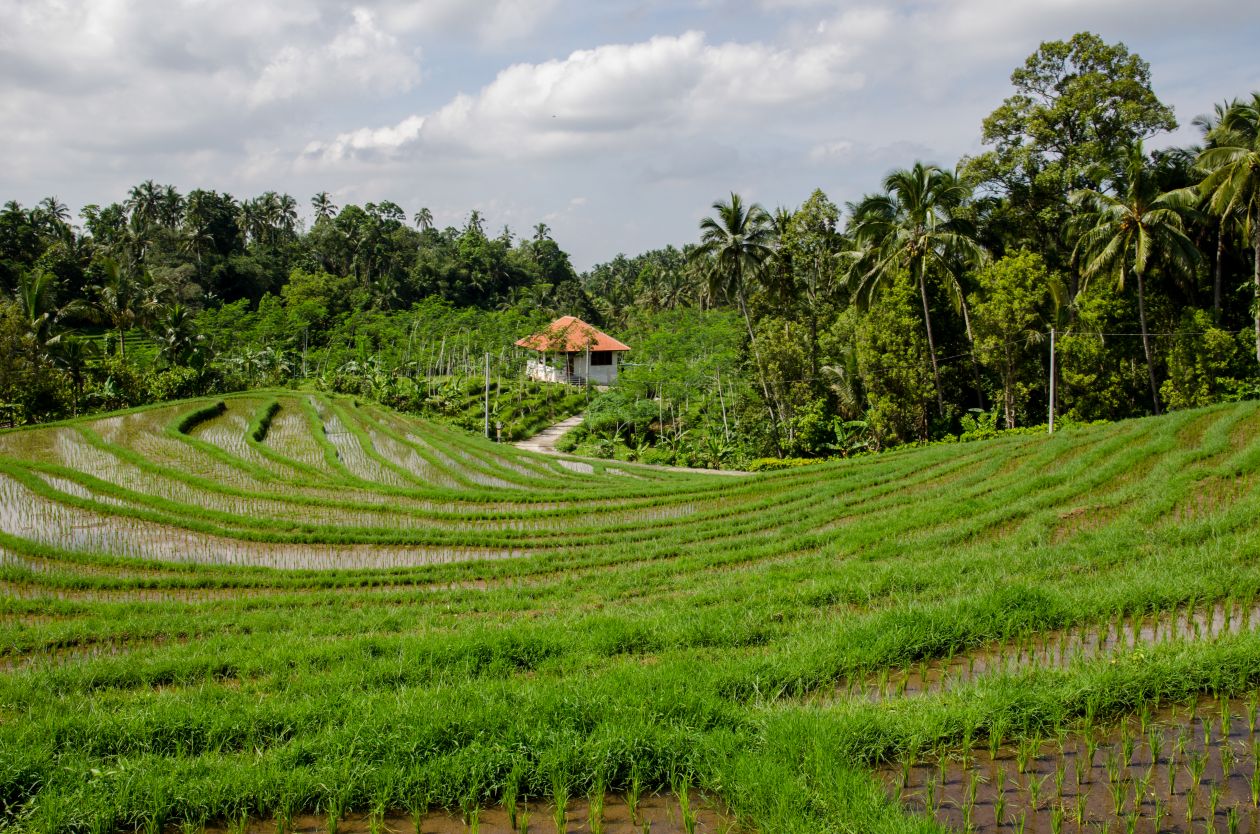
1232 185
734 247
1120 232
323 206
120 300
424 219
912 226
177 339
35 292
144 202
1209 126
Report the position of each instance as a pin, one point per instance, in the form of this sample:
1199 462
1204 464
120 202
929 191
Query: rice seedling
1196 763
682 791
633 790
595 808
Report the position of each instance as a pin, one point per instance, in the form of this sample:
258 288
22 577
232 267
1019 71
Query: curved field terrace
287 611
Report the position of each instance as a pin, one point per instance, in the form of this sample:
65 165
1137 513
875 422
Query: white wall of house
559 367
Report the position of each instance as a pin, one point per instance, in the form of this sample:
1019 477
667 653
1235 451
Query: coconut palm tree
323 205
424 219
35 293
1122 232
1232 184
144 202
120 300
913 227
734 247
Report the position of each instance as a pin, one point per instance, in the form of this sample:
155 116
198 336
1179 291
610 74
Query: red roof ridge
571 335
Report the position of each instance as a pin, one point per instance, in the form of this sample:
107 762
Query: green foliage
1010 314
893 363
1205 363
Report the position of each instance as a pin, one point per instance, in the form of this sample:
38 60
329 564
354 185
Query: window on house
601 358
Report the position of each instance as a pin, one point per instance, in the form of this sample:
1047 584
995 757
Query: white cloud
494 22
359 58
616 96
831 151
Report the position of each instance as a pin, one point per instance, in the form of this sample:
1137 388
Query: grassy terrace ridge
284 602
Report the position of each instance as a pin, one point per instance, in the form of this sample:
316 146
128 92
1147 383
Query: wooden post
1052 375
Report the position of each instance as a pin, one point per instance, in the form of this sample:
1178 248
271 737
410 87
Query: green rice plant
283 815
1226 718
1127 745
1196 763
1131 821
682 792
1159 813
1253 706
1060 773
522 819
508 797
1227 759
1020 822
999 807
634 790
1253 779
1231 820
930 801
1117 789
595 808
1091 747
1026 752
417 807
1056 818
1214 800
1079 808
1035 786
560 806
1155 743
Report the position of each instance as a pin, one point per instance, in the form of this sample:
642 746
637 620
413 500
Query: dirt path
545 442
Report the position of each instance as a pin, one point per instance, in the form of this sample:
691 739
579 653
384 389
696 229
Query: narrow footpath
545 442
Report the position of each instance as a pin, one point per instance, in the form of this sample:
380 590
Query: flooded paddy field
1182 768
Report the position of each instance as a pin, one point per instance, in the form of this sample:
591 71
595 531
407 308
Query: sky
616 122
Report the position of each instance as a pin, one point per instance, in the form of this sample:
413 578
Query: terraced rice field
286 612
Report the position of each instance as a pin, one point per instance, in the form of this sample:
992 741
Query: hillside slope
285 602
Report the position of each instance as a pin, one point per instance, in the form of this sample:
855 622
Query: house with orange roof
571 351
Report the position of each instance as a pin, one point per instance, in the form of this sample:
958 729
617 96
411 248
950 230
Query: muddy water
1060 648
654 814
1181 769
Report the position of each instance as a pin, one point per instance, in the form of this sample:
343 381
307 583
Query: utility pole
1052 376
487 395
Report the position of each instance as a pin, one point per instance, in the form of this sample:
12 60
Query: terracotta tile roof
571 334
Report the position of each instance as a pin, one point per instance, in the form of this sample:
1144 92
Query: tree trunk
1008 388
975 363
1255 249
765 388
122 343
1216 274
1146 339
927 321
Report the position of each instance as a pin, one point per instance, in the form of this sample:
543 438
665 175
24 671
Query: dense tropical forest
920 311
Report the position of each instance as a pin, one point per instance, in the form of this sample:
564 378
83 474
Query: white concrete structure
574 352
